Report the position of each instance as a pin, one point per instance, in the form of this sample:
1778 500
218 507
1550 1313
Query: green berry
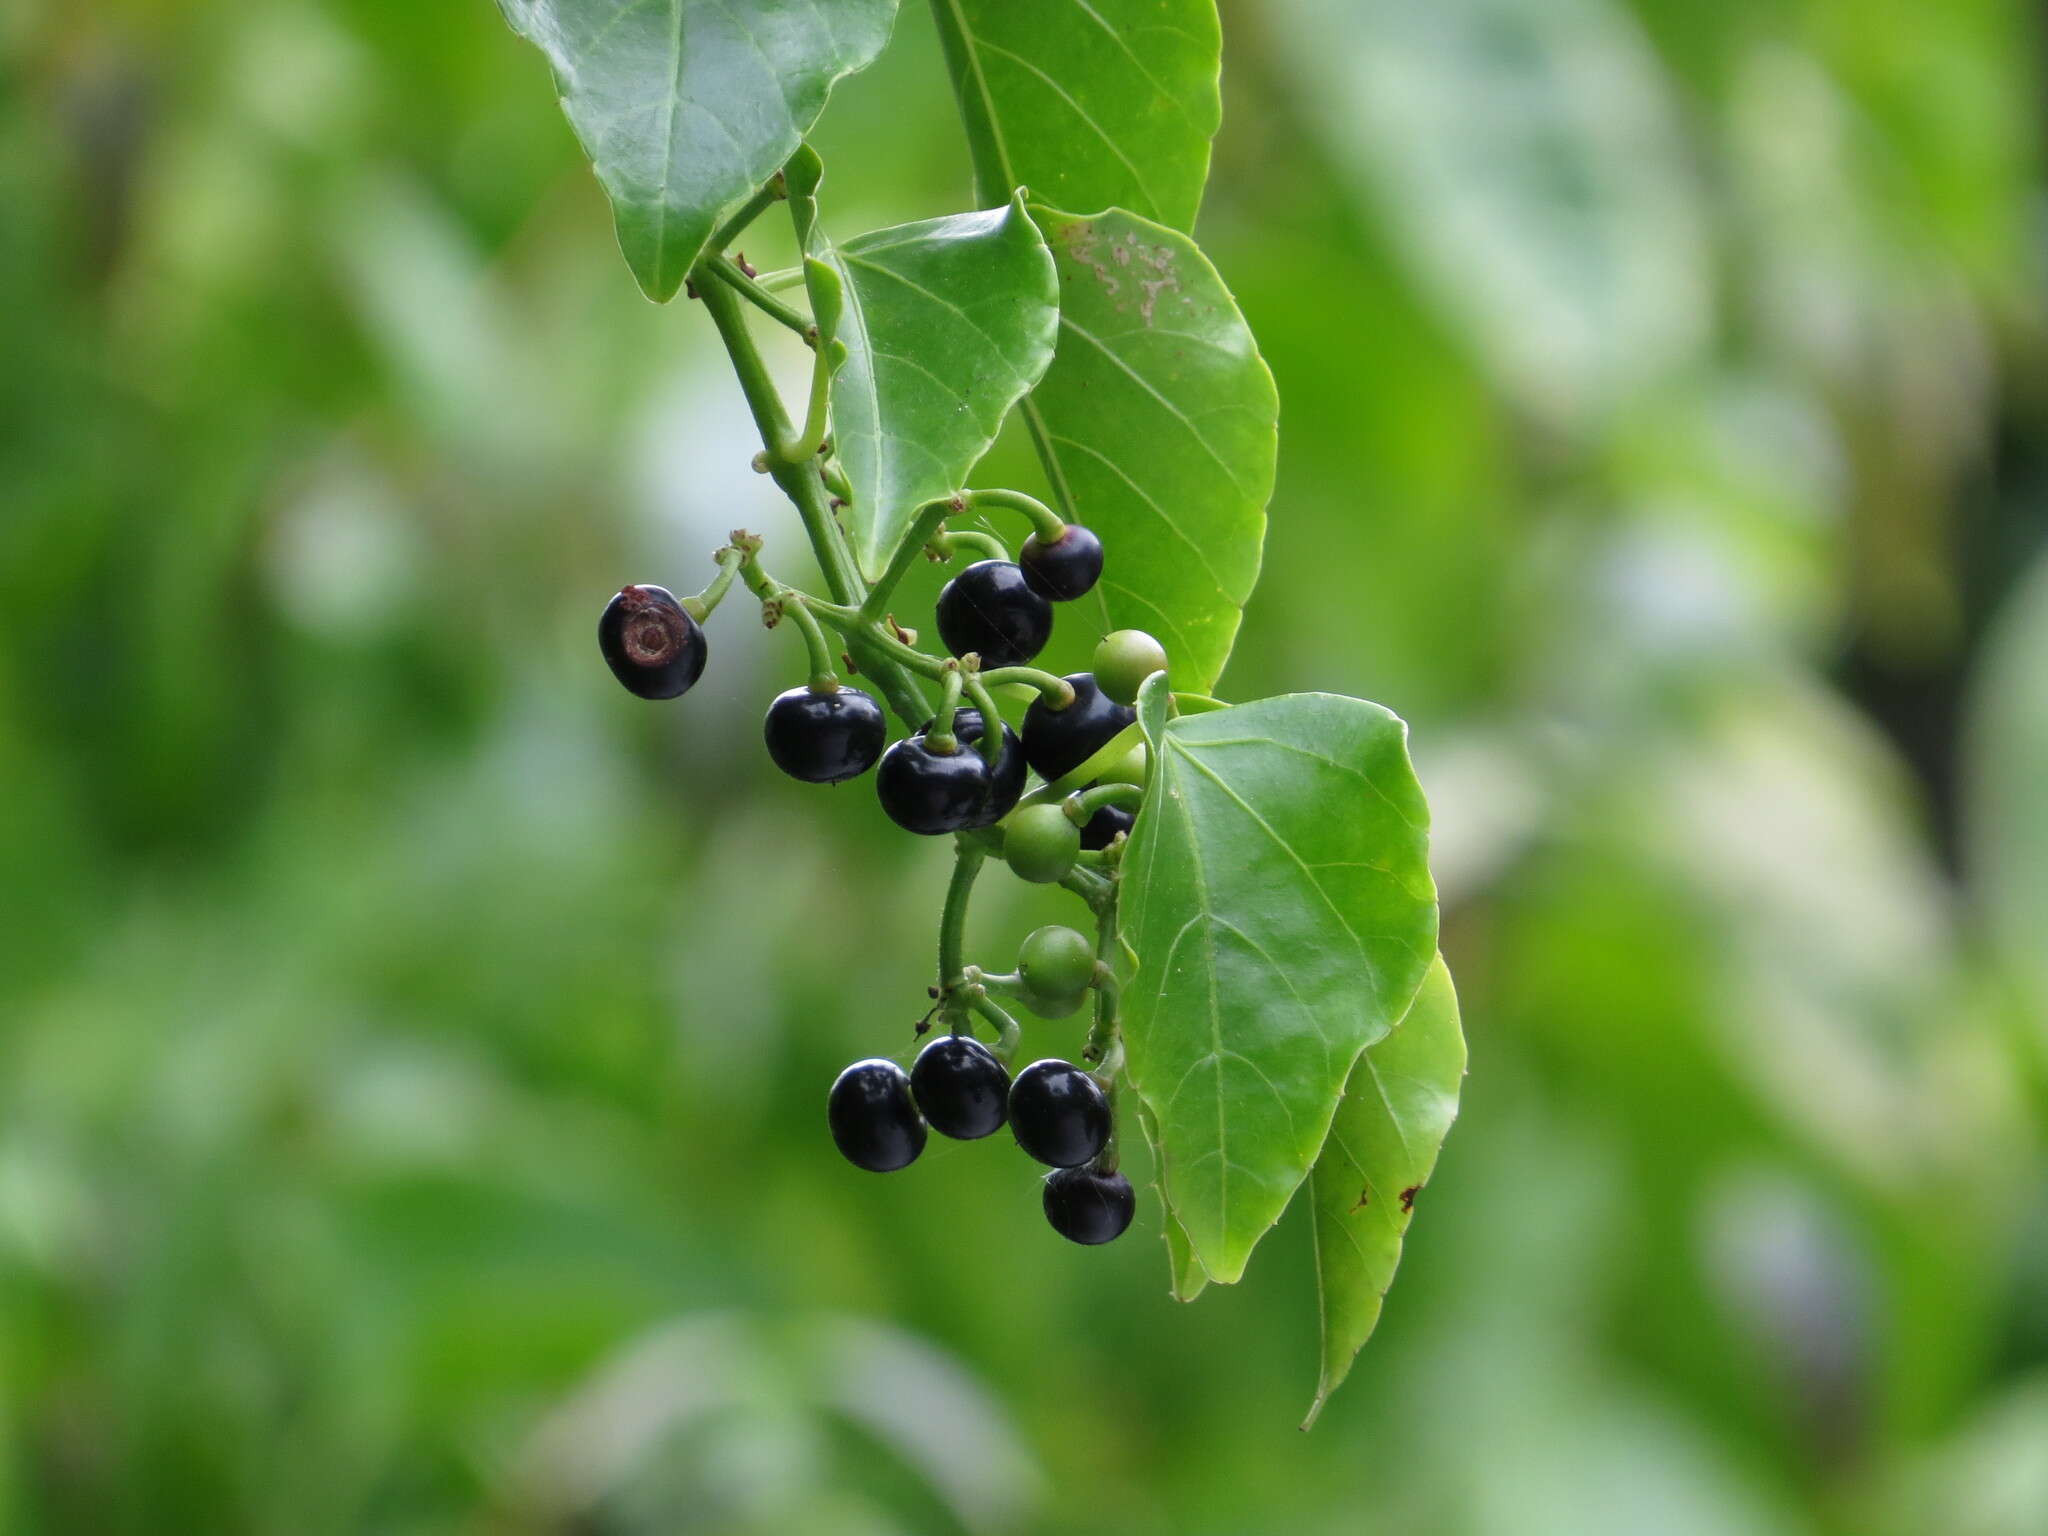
1057 965
1123 660
1041 843
1133 767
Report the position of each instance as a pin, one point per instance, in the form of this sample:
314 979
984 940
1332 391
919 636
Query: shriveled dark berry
1058 1114
930 792
1088 1207
651 644
1057 741
961 1087
874 1122
1104 826
824 738
990 609
1066 568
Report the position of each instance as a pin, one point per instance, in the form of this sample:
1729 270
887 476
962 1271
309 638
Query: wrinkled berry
961 1087
873 1120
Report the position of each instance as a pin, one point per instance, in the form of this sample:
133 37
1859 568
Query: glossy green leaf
947 324
1185 1277
1396 1111
1089 103
1278 916
685 107
1158 427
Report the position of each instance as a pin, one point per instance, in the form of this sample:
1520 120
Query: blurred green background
413 1049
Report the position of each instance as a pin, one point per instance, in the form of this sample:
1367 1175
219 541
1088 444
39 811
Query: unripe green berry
1057 965
1133 767
1123 660
1041 844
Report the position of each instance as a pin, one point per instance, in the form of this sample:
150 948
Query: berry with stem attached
1104 827
1040 843
1005 774
1056 962
1058 1113
874 1121
991 610
1063 568
651 642
1088 1207
1057 741
961 1087
1124 658
824 738
930 792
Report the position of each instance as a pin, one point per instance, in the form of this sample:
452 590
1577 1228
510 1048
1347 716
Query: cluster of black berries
1056 1111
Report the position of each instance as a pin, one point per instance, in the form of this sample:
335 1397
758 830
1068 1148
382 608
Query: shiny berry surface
991 610
1124 658
1005 774
1058 1114
824 738
1056 962
961 1088
1104 825
1040 844
1066 568
874 1122
651 644
1057 741
931 793
1088 1207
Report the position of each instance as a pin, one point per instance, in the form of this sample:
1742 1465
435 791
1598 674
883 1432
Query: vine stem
968 858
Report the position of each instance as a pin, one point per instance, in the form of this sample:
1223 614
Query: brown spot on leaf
1408 1198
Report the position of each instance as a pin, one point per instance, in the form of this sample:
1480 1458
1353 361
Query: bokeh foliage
412 1049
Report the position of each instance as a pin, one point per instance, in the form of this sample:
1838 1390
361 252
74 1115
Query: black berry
961 1087
1064 569
990 609
1058 1114
1104 825
931 792
1005 774
652 646
873 1119
1088 1207
1057 741
824 738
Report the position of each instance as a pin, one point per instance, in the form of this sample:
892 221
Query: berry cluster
963 770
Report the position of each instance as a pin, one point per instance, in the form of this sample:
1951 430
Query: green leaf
1089 103
1158 425
1186 1278
947 324
1396 1111
1278 916
685 107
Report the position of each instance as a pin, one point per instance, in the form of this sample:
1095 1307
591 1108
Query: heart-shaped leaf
685 107
1158 425
1104 104
1278 916
1396 1111
947 324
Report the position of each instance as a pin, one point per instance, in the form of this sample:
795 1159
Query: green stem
817 409
772 191
1045 522
1057 690
1008 1032
701 606
940 737
970 539
930 518
727 271
991 719
779 279
967 861
1083 804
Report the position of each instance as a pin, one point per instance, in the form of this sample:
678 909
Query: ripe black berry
652 646
1005 774
1058 1114
1088 1207
990 609
931 792
1064 569
961 1087
824 738
873 1119
1057 741
1104 825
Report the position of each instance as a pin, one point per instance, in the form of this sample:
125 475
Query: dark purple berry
961 1087
873 1120
1088 1207
1005 774
931 792
824 738
652 646
990 609
1104 825
1064 569
1058 1114
1057 741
